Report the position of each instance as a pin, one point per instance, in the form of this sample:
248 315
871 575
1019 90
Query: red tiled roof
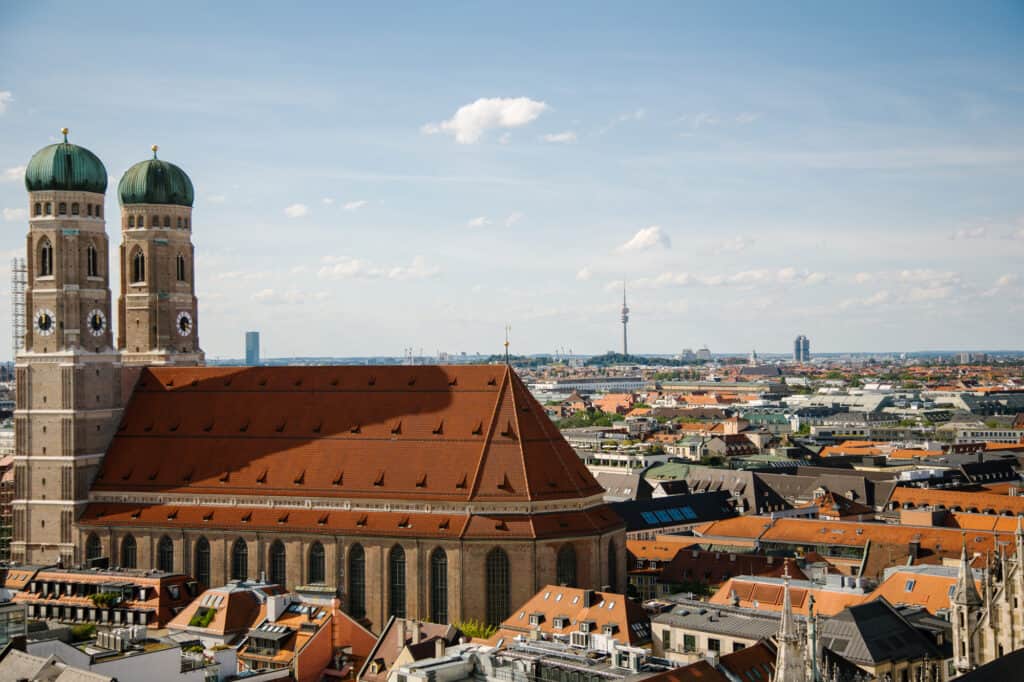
456 433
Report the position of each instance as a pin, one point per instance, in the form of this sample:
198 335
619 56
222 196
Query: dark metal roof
674 510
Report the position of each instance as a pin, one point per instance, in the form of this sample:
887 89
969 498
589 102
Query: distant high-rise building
802 349
625 321
252 348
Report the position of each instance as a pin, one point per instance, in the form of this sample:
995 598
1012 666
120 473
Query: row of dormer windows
140 221
46 208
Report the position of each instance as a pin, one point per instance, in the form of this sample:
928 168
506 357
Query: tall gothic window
131 221
496 586
93 547
167 221
165 555
566 566
138 266
239 560
180 263
396 586
316 564
92 261
74 209
62 208
439 586
45 258
202 572
277 563
356 582
128 553
613 565
37 209
141 221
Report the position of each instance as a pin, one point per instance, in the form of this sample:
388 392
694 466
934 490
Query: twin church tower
72 381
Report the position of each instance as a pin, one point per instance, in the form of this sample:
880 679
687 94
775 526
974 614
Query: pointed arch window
99 211
357 582
62 208
131 221
566 566
88 209
496 585
239 560
141 221
138 266
45 258
439 586
180 267
396 584
278 563
202 561
37 209
165 555
74 208
316 564
92 264
613 565
167 221
49 208
93 547
128 552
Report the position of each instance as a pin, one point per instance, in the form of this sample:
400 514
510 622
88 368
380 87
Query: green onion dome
65 166
155 182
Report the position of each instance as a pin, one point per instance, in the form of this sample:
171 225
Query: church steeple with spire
791 655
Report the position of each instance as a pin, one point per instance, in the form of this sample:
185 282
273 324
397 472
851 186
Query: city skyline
846 175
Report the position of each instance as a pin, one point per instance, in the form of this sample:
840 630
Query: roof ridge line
510 374
487 441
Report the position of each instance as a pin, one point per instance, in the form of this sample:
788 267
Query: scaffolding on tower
19 278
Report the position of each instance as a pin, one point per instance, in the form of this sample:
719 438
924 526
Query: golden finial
64 132
154 148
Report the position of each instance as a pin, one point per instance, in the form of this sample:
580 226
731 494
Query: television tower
625 321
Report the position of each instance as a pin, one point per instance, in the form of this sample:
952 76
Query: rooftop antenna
508 328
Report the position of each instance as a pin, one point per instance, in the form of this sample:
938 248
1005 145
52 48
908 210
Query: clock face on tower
184 323
96 322
45 322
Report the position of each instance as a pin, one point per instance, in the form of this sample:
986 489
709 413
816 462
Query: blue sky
369 179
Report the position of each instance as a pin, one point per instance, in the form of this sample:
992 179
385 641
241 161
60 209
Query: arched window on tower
141 222
165 555
99 211
92 261
496 586
439 586
37 209
88 209
396 584
278 565
180 267
179 222
93 547
62 208
131 221
202 572
138 266
316 564
49 208
45 258
356 582
167 221
613 565
128 553
239 560
566 566
74 208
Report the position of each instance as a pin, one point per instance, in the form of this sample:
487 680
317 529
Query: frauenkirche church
440 493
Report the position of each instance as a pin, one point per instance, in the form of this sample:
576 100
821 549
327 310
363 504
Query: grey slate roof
674 510
725 620
873 633
620 487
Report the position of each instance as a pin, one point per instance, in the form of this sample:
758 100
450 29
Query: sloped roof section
451 433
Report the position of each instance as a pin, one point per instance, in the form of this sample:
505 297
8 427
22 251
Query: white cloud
734 244
863 277
875 299
354 205
970 233
479 221
704 118
584 274
297 211
5 98
290 297
647 238
327 201
471 121
743 279
345 267
635 115
1007 280
919 294
747 117
930 277
566 137
216 198
513 218
13 174
15 214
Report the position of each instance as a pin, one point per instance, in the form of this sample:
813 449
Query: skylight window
909 587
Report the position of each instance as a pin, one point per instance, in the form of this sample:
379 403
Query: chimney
588 597
439 647
400 625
